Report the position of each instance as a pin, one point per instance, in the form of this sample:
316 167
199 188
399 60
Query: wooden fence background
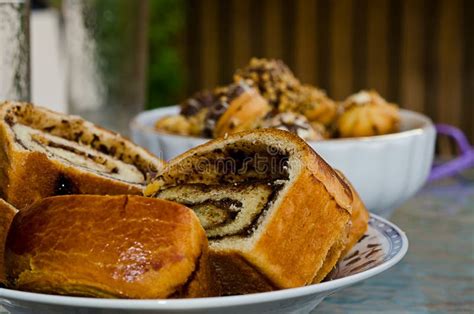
417 53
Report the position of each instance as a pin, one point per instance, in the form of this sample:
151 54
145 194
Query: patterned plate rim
216 302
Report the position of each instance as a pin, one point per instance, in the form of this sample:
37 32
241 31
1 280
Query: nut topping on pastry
296 124
272 78
267 88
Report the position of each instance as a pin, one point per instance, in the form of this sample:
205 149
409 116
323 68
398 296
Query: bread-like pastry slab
7 212
44 153
271 207
123 246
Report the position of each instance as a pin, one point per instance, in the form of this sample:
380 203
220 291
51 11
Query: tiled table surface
437 274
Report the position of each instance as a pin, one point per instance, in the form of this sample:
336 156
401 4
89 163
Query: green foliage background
166 72
166 75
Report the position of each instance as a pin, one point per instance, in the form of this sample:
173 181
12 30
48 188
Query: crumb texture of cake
271 207
123 246
62 154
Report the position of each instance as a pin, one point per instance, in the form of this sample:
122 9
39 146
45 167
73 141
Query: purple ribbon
456 165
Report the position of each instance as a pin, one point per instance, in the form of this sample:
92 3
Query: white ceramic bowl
384 243
386 170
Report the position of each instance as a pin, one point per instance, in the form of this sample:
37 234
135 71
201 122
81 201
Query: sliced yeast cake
44 153
271 207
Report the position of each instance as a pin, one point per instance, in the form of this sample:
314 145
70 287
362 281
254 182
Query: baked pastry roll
367 114
296 124
45 153
109 246
271 207
227 109
176 124
7 212
273 79
316 106
242 113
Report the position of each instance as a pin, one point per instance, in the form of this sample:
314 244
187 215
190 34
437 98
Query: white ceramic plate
386 170
382 247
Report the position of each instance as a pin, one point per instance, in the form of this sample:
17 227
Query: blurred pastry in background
244 112
297 124
313 103
366 114
266 94
273 79
227 109
237 107
175 124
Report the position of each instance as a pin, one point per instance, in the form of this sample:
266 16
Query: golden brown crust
243 113
359 218
302 229
32 176
367 114
108 246
27 176
7 212
333 256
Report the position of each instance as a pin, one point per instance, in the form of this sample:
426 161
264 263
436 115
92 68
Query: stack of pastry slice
275 213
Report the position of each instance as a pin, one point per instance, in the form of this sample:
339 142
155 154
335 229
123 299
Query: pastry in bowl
273 79
123 246
313 103
271 207
227 109
367 114
265 89
242 113
295 123
45 153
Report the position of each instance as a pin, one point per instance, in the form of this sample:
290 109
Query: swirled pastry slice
45 153
271 207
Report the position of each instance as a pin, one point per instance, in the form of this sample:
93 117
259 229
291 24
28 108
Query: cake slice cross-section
44 153
271 207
